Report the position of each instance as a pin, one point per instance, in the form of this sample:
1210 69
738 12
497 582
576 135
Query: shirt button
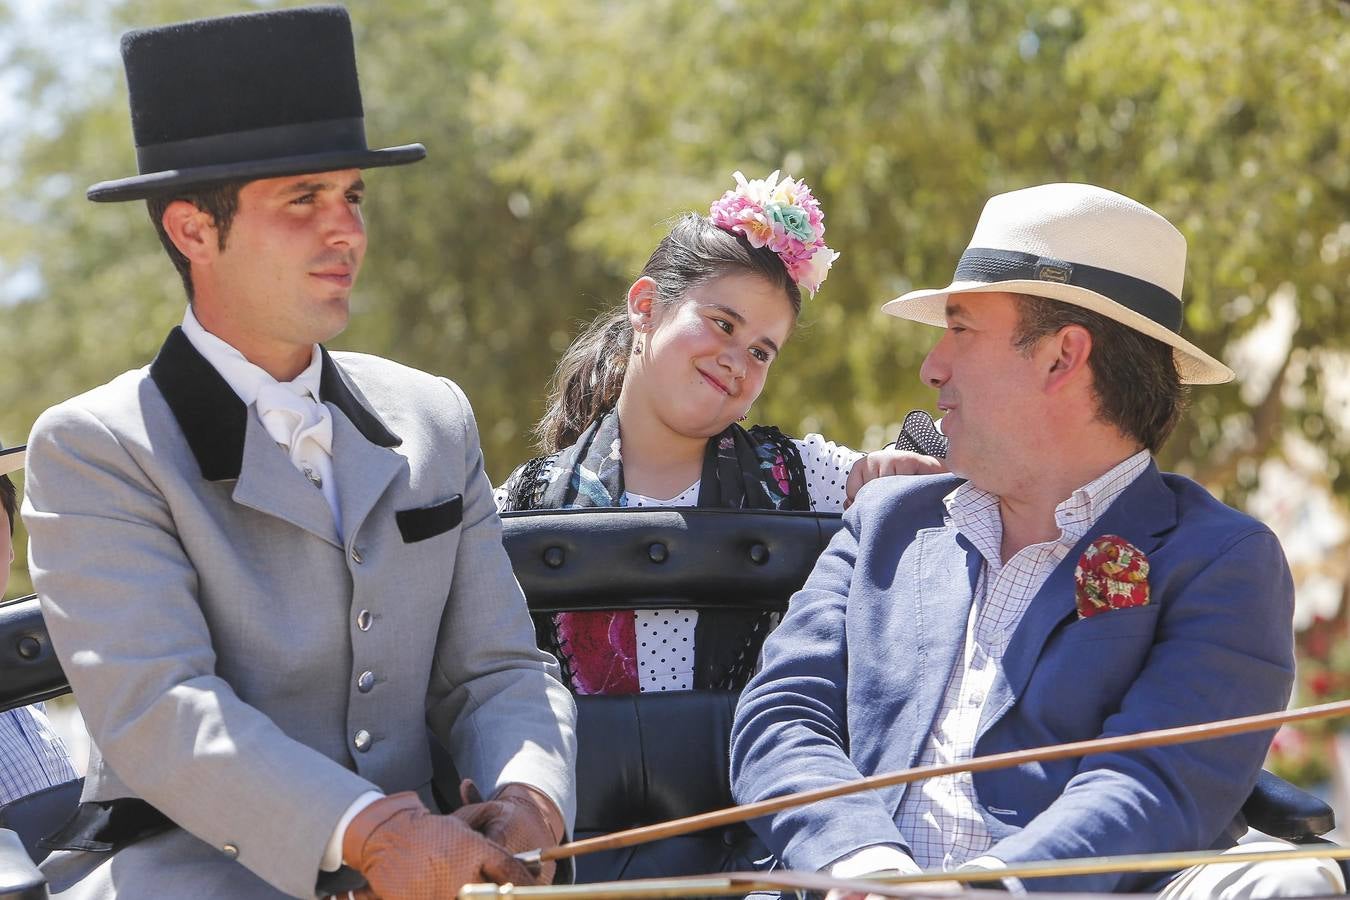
357 557
362 741
230 851
364 620
365 682
976 698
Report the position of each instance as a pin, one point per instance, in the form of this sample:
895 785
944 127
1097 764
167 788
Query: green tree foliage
562 135
1228 118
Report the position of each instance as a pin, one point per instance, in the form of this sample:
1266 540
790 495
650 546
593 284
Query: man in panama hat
1056 587
32 756
269 570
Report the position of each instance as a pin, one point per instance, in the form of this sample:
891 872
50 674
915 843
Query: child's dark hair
590 374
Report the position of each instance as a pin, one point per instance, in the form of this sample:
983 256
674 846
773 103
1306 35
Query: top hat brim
153 184
12 459
1194 366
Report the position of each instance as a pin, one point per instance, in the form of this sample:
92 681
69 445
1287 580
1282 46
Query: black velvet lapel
334 388
212 416
214 419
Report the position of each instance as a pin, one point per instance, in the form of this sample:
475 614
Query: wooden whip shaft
740 883
1159 738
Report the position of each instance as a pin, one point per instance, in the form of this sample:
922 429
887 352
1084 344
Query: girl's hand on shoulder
889 461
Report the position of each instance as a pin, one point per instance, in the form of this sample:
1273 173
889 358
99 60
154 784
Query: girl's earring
743 417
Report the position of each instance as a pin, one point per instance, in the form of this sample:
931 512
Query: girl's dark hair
588 378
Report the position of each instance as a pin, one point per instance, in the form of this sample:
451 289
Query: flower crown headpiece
783 216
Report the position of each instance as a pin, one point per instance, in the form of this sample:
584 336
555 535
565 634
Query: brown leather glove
406 853
519 818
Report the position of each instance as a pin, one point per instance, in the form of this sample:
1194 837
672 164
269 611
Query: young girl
667 377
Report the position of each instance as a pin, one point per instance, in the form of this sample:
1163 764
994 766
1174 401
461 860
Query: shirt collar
1087 504
243 377
974 511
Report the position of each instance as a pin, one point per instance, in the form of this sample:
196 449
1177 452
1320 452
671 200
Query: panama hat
11 460
255 95
1083 245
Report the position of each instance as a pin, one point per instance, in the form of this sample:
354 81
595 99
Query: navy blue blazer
853 677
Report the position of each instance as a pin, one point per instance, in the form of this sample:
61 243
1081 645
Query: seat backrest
588 559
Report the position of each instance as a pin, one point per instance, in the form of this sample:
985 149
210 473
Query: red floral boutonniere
1112 574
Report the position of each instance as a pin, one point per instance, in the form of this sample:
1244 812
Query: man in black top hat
267 569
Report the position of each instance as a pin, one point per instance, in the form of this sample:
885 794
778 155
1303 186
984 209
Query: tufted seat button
657 552
553 557
29 647
229 851
362 741
759 554
730 838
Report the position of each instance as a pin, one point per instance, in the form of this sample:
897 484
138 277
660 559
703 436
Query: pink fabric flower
783 216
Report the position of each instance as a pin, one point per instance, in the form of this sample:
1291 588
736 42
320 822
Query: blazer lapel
943 580
363 458
363 471
271 484
1142 514
208 411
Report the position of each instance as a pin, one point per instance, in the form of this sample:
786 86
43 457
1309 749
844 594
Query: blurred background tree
563 135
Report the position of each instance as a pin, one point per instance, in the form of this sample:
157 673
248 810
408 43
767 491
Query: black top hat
257 95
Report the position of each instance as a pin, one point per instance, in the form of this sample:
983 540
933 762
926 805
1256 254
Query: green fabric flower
793 219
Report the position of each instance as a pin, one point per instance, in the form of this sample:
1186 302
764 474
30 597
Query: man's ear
192 231
1066 354
642 296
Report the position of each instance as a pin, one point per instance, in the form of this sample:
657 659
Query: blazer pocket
1116 623
428 521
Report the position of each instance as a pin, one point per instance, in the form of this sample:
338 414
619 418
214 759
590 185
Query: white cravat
303 427
290 410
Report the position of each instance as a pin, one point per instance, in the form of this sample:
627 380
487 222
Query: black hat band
301 139
1135 294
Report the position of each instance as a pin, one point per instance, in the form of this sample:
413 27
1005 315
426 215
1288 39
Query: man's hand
518 818
888 462
406 853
